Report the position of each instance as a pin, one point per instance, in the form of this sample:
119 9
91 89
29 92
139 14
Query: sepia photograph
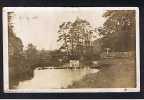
71 49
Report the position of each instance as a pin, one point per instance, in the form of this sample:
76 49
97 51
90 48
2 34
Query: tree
31 55
15 53
119 30
64 37
81 34
15 46
76 37
56 58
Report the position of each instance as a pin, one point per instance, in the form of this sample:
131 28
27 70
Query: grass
114 73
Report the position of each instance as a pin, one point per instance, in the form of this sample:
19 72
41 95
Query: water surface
54 78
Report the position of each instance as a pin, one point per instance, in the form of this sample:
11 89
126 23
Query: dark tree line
20 61
119 30
23 62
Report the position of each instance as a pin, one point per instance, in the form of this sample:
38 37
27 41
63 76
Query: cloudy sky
40 26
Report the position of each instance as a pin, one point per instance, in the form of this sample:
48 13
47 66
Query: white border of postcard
81 90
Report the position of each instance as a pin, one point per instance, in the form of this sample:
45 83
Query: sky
40 26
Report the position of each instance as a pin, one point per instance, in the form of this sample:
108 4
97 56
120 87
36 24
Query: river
54 78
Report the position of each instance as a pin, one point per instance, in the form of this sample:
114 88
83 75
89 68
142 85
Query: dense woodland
78 41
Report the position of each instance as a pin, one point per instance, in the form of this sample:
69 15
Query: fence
117 54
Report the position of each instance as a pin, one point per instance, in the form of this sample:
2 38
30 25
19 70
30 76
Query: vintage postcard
71 49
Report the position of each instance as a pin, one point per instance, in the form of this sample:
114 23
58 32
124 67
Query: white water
54 78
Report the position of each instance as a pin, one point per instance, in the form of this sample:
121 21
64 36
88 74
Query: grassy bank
117 73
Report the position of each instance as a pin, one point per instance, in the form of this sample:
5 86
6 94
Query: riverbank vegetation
117 73
80 41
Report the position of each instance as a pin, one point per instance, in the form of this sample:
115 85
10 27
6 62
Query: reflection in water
54 78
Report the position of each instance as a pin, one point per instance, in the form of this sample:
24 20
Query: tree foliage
31 55
75 37
119 30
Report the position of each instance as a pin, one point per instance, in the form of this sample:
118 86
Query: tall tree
76 37
64 37
81 35
119 30
15 53
15 46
